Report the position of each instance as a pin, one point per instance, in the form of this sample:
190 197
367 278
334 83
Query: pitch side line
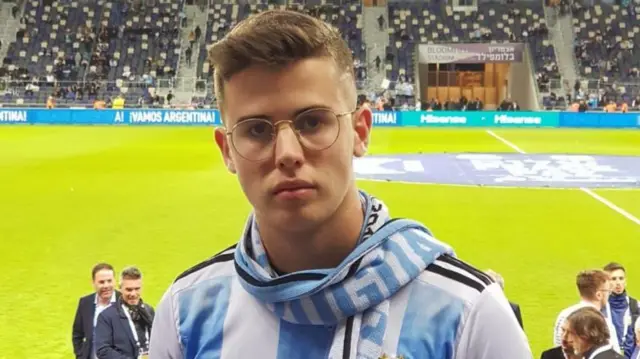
599 198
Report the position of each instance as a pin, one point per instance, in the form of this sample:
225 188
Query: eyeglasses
316 130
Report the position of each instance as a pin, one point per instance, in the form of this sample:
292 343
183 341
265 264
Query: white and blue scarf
353 296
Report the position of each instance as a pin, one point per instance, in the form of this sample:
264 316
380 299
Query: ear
362 122
223 144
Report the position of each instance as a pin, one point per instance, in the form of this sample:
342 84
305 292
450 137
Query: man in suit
515 307
587 331
123 330
89 307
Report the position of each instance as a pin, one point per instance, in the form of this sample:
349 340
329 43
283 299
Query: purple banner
470 53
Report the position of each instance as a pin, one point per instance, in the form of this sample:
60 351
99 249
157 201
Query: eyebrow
296 113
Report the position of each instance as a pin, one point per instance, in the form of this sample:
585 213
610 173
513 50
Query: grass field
161 199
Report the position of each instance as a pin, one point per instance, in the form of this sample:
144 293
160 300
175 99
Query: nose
288 150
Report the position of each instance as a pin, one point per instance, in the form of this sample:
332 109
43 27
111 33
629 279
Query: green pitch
161 199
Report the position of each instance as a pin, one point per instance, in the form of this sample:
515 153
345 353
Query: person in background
594 288
635 334
515 307
563 351
89 307
586 330
123 329
623 308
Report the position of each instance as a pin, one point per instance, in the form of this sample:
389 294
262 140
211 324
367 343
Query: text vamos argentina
172 117
13 116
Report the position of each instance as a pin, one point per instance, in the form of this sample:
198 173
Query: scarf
618 305
355 295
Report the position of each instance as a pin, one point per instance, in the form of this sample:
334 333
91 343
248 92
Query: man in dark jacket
624 309
89 307
123 330
515 307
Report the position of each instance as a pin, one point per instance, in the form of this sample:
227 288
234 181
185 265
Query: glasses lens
318 129
253 138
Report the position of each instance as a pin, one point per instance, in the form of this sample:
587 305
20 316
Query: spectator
624 308
594 288
586 330
515 307
123 330
89 307
188 54
198 33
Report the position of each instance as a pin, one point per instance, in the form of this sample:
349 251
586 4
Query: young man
123 330
321 269
623 308
594 288
89 307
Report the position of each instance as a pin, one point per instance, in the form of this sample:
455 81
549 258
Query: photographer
122 331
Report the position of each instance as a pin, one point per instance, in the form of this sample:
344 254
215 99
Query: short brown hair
614 266
590 281
589 324
275 39
131 273
100 266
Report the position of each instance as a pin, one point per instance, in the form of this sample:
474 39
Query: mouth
293 189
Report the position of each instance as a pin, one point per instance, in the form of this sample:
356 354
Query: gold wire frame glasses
316 129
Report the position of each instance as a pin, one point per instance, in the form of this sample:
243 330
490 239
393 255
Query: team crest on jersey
386 356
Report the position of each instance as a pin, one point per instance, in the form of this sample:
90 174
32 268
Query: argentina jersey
450 311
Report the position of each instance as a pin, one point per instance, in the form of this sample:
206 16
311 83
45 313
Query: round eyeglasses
316 130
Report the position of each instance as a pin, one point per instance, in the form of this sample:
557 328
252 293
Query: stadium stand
434 21
71 48
221 17
80 50
606 35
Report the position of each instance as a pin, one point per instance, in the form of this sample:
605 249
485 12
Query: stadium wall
382 119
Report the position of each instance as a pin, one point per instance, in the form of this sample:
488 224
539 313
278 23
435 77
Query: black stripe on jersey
348 332
218 258
480 275
461 278
280 280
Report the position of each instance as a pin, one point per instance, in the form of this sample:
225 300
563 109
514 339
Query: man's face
279 95
618 281
131 289
103 284
572 344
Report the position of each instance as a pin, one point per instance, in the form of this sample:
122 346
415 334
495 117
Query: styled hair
590 281
275 39
100 266
614 266
131 273
589 324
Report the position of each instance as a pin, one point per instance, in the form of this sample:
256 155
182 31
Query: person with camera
122 331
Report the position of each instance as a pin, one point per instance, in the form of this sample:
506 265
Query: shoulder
87 299
458 277
218 266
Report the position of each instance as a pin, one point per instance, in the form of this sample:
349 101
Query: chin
299 217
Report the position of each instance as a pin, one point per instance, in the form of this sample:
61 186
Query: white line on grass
599 198
516 148
607 203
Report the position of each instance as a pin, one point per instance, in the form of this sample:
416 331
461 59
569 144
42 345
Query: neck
595 303
104 301
323 246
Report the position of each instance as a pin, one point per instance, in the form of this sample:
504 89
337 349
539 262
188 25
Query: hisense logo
442 119
517 120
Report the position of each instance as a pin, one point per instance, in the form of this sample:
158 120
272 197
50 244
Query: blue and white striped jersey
451 310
